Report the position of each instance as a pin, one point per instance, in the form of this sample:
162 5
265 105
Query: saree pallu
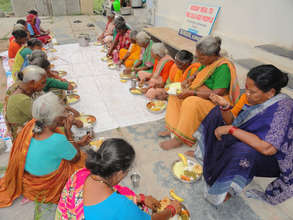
183 117
147 59
229 165
17 65
17 182
134 55
123 42
71 205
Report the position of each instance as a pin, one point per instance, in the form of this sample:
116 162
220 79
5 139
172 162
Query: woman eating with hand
41 159
92 193
181 70
163 63
252 138
121 41
146 61
186 110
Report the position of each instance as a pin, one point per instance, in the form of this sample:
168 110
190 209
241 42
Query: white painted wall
253 21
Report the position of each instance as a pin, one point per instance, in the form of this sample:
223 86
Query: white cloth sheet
102 94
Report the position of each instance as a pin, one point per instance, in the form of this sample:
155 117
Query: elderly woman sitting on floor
181 70
146 61
162 66
92 193
254 138
18 100
21 58
20 38
41 159
107 36
53 80
128 57
186 110
122 40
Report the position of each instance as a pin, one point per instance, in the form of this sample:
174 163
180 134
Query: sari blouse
220 79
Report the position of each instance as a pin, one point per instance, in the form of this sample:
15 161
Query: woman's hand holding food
151 203
78 123
177 205
219 100
85 140
186 83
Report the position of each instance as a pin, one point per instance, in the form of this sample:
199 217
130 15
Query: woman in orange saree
133 53
186 111
168 71
41 180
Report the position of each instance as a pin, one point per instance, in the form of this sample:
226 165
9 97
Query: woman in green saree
146 61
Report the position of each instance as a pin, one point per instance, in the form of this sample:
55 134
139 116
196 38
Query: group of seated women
238 137
210 112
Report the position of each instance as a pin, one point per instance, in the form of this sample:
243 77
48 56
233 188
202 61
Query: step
244 65
278 56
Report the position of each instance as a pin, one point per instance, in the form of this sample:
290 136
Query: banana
183 158
174 196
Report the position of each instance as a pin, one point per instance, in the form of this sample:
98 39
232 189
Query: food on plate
184 215
97 143
53 58
98 43
188 172
112 66
174 88
157 105
136 91
175 196
183 159
52 50
164 203
123 80
198 169
73 98
62 73
87 119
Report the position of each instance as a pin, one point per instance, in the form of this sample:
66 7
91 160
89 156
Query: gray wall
46 7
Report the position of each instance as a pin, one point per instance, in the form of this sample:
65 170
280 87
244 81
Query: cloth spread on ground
102 94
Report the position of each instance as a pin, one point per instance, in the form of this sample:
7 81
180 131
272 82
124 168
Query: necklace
102 181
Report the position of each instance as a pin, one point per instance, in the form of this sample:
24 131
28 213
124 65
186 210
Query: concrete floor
152 163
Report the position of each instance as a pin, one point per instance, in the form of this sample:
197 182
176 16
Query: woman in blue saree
254 138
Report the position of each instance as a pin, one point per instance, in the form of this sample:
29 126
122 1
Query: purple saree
230 165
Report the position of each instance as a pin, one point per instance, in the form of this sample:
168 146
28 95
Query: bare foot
165 133
189 153
171 144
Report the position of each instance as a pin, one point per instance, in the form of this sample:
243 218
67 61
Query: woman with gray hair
215 75
39 58
107 36
146 61
42 158
179 71
18 100
128 57
160 73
